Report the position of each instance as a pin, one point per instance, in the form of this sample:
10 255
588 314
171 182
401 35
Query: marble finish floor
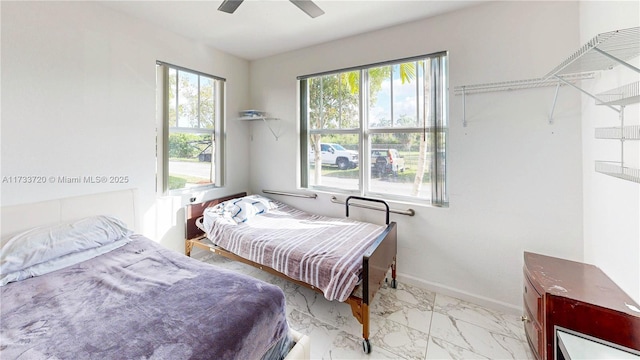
406 323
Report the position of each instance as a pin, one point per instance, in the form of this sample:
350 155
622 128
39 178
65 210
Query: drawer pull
525 318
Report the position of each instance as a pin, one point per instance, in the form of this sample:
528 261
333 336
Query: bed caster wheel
394 284
366 346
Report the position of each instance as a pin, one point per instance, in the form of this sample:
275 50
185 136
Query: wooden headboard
121 204
194 211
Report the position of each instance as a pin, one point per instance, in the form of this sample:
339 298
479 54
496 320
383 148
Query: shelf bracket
586 93
617 60
553 107
464 108
270 128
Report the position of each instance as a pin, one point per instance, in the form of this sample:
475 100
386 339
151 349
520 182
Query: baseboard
462 295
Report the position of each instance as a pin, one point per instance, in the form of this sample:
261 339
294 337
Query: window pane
400 165
173 80
334 101
187 99
350 100
338 155
207 103
191 160
405 108
380 97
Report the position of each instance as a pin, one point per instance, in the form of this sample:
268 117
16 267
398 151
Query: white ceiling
261 28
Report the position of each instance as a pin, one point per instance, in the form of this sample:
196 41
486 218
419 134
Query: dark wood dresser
577 297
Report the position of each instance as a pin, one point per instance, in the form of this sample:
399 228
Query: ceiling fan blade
308 7
229 6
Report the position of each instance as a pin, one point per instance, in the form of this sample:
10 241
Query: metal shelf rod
286 193
586 93
269 126
617 60
464 108
555 99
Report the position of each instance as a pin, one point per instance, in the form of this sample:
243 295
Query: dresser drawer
533 301
534 334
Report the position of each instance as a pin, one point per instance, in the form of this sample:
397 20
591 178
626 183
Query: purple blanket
140 301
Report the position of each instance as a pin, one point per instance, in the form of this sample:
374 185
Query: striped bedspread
321 251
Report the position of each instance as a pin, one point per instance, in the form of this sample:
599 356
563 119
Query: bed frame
121 204
376 261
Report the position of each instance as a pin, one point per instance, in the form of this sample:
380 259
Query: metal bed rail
408 212
287 193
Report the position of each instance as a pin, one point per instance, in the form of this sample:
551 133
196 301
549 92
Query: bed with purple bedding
62 299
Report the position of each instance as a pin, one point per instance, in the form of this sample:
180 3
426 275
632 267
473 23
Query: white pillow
247 207
61 262
43 244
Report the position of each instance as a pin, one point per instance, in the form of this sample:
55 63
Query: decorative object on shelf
259 115
251 114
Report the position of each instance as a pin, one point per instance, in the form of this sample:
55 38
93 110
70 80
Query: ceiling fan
311 9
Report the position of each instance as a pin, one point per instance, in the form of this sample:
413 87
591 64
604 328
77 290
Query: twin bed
83 285
346 260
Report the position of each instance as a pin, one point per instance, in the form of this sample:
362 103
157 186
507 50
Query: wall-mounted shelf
619 133
617 170
518 84
256 115
604 51
621 96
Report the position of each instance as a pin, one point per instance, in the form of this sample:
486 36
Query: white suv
336 154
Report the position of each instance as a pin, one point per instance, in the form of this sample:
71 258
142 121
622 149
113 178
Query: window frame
218 132
437 125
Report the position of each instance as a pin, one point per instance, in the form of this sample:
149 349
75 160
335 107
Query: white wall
612 206
515 180
78 99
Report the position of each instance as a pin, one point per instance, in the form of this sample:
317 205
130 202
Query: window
378 130
190 106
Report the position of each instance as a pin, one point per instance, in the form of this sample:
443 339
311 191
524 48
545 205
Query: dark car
386 161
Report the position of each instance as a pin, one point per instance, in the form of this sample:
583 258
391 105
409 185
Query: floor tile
443 350
407 305
477 339
492 320
399 339
329 342
406 323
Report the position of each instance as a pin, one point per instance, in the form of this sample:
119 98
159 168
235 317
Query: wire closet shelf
603 52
